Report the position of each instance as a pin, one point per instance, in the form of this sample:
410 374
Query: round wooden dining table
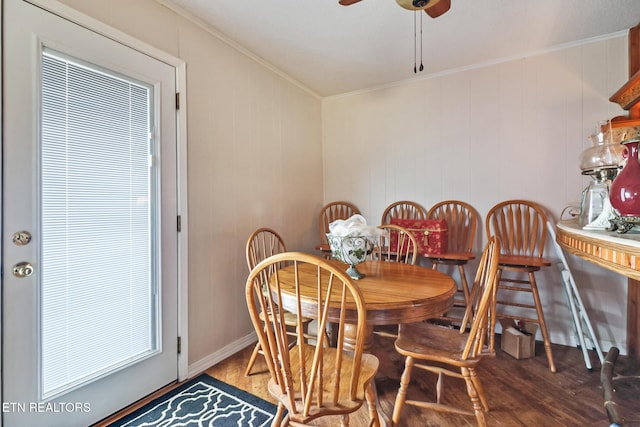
393 292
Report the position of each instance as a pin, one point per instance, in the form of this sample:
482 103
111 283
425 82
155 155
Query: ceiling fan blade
438 8
347 2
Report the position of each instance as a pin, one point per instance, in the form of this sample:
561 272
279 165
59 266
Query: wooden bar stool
462 223
521 227
404 210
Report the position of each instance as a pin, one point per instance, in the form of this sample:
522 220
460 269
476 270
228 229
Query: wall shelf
628 96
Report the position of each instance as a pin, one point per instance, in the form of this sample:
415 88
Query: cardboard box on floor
516 343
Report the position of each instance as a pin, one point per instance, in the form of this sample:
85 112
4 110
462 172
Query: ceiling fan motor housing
420 3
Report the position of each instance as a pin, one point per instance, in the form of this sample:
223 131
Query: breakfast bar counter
617 252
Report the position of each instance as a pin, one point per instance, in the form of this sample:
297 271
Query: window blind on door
98 294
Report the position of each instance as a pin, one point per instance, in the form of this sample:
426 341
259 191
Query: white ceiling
333 49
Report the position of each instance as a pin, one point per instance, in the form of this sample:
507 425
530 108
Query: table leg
350 337
633 319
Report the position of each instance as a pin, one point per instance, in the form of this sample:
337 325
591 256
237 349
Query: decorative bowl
351 250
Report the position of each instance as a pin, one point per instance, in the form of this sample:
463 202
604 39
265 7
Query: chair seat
324 247
428 341
343 404
453 258
523 261
290 319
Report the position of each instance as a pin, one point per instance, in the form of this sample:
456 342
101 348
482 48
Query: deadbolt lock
21 238
22 269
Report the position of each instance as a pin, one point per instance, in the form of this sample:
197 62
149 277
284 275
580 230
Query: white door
89 303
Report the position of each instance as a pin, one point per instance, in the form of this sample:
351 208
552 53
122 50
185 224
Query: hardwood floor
520 392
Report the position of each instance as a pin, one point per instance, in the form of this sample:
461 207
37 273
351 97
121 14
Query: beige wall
503 131
259 154
254 159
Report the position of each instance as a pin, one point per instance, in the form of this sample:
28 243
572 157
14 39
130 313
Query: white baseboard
572 341
229 350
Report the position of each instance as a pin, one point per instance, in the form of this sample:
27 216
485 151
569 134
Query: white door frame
96 26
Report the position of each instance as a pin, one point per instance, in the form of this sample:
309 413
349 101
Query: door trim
96 26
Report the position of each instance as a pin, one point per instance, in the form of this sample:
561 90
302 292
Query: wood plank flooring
520 392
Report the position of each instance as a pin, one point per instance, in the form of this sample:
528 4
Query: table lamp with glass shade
601 162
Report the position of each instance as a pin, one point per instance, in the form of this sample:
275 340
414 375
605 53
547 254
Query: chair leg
464 288
305 335
478 386
473 395
252 359
469 310
372 399
469 297
402 391
327 340
494 308
344 420
277 418
463 283
543 324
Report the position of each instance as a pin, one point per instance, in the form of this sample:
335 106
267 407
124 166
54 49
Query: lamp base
604 221
624 224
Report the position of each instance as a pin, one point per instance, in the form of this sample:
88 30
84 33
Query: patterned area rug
202 401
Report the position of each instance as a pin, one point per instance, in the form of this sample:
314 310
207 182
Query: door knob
22 269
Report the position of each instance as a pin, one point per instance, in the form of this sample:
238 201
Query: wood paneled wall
511 130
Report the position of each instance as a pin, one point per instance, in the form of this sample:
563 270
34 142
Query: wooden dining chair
399 245
462 224
310 381
329 213
450 352
521 227
263 243
403 209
